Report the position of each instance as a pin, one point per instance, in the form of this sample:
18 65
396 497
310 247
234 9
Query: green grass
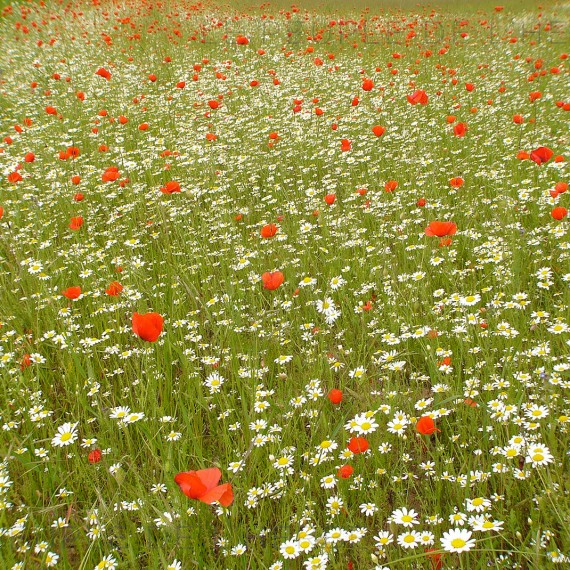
196 257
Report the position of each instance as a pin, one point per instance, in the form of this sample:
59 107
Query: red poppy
534 96
426 426
152 77
432 553
330 199
78 197
345 145
368 85
76 223
30 157
391 185
102 72
181 84
345 472
114 289
335 396
469 87
203 485
460 129
541 155
421 203
273 280
147 326
25 362
14 177
51 110
211 136
419 96
76 179
561 187
268 231
456 182
1 212
441 229
213 104
143 127
358 445
94 456
170 187
242 41
111 174
378 130
518 119
559 213
72 292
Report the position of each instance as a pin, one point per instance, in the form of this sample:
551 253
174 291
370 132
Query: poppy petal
209 477
223 494
190 484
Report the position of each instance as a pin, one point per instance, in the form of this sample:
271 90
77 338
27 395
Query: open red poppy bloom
203 485
273 280
358 445
94 456
111 174
102 72
368 85
460 129
456 182
114 289
391 185
541 155
426 426
14 177
268 231
242 41
441 229
76 223
147 326
72 292
559 213
345 472
330 199
345 145
170 187
335 396
419 96
378 130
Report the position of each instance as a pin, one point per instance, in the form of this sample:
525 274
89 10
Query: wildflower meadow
284 286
